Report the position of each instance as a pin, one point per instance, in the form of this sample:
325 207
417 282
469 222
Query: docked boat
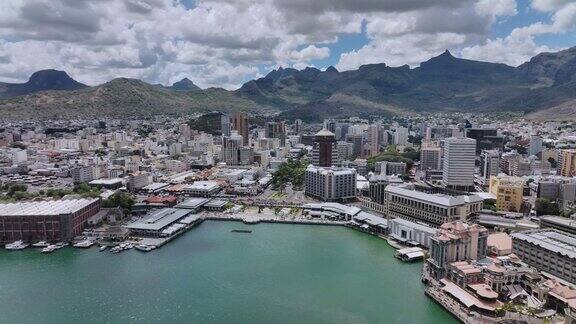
145 248
116 249
41 244
49 249
84 244
18 245
103 247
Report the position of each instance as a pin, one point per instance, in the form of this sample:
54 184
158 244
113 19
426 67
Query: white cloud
497 7
225 42
520 46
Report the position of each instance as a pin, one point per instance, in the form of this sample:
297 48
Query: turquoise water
277 274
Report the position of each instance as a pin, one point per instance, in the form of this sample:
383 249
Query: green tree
119 199
546 207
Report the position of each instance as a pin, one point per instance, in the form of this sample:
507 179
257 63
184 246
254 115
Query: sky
224 43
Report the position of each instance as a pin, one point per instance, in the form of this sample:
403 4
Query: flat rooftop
562 221
551 240
193 203
436 199
44 208
159 219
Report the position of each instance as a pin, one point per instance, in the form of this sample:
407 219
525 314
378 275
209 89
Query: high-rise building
345 151
240 124
276 130
325 151
568 163
459 160
225 125
456 241
535 145
401 136
374 131
490 163
330 184
234 153
486 138
298 126
430 157
357 141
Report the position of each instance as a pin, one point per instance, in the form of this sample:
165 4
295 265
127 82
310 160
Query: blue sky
224 43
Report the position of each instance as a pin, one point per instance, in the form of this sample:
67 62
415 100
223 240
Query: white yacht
18 245
49 248
41 244
84 244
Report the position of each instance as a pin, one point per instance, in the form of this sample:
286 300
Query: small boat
145 248
18 245
103 247
240 231
84 244
116 249
41 244
49 249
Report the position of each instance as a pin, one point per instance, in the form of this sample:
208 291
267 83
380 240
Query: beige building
508 192
568 163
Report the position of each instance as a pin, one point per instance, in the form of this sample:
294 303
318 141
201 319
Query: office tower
357 141
325 151
490 163
568 163
276 130
233 152
298 126
345 151
430 157
374 131
330 184
401 136
240 124
486 138
330 125
535 145
459 158
427 134
225 125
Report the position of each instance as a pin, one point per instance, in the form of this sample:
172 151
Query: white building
401 136
459 158
330 184
432 209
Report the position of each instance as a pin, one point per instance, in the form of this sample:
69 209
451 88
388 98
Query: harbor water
278 273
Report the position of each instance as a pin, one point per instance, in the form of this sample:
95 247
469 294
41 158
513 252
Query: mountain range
544 88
